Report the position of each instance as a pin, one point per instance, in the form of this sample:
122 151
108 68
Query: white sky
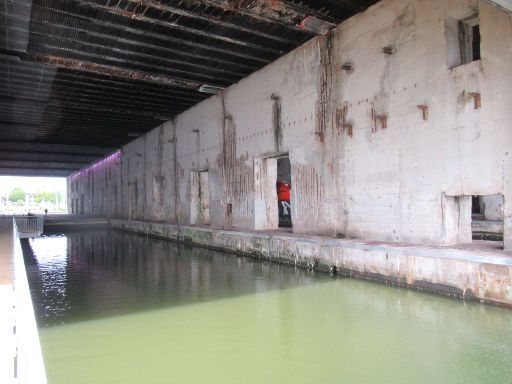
32 184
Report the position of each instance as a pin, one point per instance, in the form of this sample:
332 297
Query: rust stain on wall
276 121
237 176
342 124
373 120
341 117
310 189
377 120
324 89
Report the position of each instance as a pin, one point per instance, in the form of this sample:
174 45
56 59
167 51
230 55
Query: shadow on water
96 274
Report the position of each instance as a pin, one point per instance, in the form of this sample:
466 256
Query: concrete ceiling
98 73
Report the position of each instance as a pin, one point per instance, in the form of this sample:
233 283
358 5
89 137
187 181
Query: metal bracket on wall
424 111
476 99
388 49
347 127
383 120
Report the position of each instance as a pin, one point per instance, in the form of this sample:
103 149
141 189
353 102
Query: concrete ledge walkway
21 360
7 337
476 271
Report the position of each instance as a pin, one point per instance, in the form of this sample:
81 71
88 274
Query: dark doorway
81 203
284 188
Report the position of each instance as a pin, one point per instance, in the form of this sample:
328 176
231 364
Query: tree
49 197
17 194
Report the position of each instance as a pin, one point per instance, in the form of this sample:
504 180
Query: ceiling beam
105 70
39 164
134 51
111 58
138 41
97 102
35 172
73 102
78 82
54 17
142 6
55 148
280 11
139 15
83 160
110 70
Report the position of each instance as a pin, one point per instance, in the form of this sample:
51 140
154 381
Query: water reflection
245 321
85 275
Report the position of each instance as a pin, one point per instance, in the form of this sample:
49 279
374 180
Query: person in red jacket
283 191
283 198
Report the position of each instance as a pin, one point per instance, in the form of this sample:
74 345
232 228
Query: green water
118 308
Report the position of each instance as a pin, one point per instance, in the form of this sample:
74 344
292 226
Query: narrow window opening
229 215
113 209
463 40
134 198
476 42
158 186
81 203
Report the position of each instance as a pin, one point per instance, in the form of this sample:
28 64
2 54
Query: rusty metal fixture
383 120
113 71
424 111
347 66
347 127
377 120
476 99
388 49
211 89
316 25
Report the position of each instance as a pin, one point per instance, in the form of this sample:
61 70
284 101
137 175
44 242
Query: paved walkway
5 251
7 344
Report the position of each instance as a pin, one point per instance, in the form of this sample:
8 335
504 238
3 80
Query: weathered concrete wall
461 273
96 190
365 161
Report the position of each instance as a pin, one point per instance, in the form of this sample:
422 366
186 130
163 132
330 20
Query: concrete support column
456 215
265 213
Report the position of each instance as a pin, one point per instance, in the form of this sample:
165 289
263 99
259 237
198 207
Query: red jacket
283 191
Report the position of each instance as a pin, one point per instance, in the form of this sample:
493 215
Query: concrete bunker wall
378 129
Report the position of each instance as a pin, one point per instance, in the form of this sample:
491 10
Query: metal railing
28 226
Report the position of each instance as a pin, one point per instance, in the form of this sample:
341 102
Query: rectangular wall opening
463 39
272 187
487 217
158 186
20 195
200 198
134 198
283 186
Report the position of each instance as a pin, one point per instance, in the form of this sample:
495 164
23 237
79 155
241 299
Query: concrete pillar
265 214
456 219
